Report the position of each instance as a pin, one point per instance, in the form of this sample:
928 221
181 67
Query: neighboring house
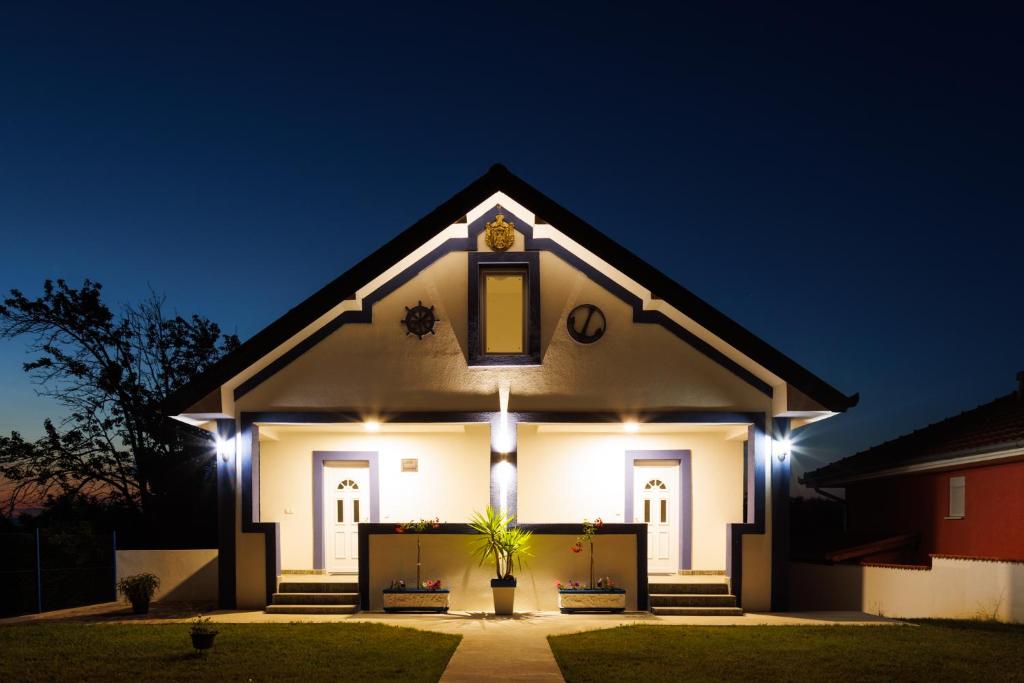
954 488
503 352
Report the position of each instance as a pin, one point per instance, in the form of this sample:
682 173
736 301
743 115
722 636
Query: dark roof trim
989 429
499 178
828 477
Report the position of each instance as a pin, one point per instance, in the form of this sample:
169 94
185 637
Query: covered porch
666 487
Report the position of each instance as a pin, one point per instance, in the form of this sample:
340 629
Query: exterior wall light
503 442
782 448
503 473
371 426
631 426
224 447
503 438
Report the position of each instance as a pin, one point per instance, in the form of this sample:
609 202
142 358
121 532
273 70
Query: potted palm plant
600 595
505 545
422 596
138 589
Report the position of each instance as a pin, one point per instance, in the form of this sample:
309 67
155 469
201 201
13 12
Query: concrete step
713 588
694 600
697 611
316 599
311 609
317 587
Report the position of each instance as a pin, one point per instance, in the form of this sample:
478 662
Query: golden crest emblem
499 234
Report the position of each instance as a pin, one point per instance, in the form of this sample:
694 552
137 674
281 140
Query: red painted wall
993 525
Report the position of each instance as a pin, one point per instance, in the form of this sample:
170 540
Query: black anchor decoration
419 320
586 329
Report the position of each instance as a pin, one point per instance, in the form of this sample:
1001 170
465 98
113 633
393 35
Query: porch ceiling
638 428
273 432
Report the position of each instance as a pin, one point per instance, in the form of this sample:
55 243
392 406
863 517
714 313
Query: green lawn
243 652
928 651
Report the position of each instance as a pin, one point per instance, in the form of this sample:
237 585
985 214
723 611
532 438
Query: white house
502 351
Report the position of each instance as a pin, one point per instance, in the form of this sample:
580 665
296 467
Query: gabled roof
993 427
499 178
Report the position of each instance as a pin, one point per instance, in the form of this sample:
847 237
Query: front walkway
492 648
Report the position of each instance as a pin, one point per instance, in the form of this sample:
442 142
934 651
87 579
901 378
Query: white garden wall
449 557
185 575
952 589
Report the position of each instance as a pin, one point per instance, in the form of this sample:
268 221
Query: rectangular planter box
573 600
415 600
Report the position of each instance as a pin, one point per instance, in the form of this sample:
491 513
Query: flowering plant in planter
421 596
589 531
202 633
573 585
601 595
428 585
418 527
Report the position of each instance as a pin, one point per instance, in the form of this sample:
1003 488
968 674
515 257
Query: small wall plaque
410 465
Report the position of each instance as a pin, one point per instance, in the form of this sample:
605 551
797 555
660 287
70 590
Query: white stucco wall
377 367
566 477
453 479
185 575
951 589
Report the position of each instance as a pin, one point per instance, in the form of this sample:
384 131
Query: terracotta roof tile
994 426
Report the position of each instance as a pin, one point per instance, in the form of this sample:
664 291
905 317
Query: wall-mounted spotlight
631 426
223 447
371 425
782 448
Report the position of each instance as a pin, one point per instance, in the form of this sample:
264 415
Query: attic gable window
504 308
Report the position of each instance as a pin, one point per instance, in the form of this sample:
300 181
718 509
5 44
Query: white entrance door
346 503
656 500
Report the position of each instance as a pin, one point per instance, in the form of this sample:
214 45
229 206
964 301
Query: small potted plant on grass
423 596
506 546
138 589
202 633
601 595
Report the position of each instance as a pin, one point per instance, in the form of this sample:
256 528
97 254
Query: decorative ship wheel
419 320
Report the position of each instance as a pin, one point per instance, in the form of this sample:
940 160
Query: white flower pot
504 598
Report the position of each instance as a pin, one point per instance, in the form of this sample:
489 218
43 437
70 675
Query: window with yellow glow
504 310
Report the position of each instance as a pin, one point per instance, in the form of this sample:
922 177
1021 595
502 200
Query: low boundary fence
46 570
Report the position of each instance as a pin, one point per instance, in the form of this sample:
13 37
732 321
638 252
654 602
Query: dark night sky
845 182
